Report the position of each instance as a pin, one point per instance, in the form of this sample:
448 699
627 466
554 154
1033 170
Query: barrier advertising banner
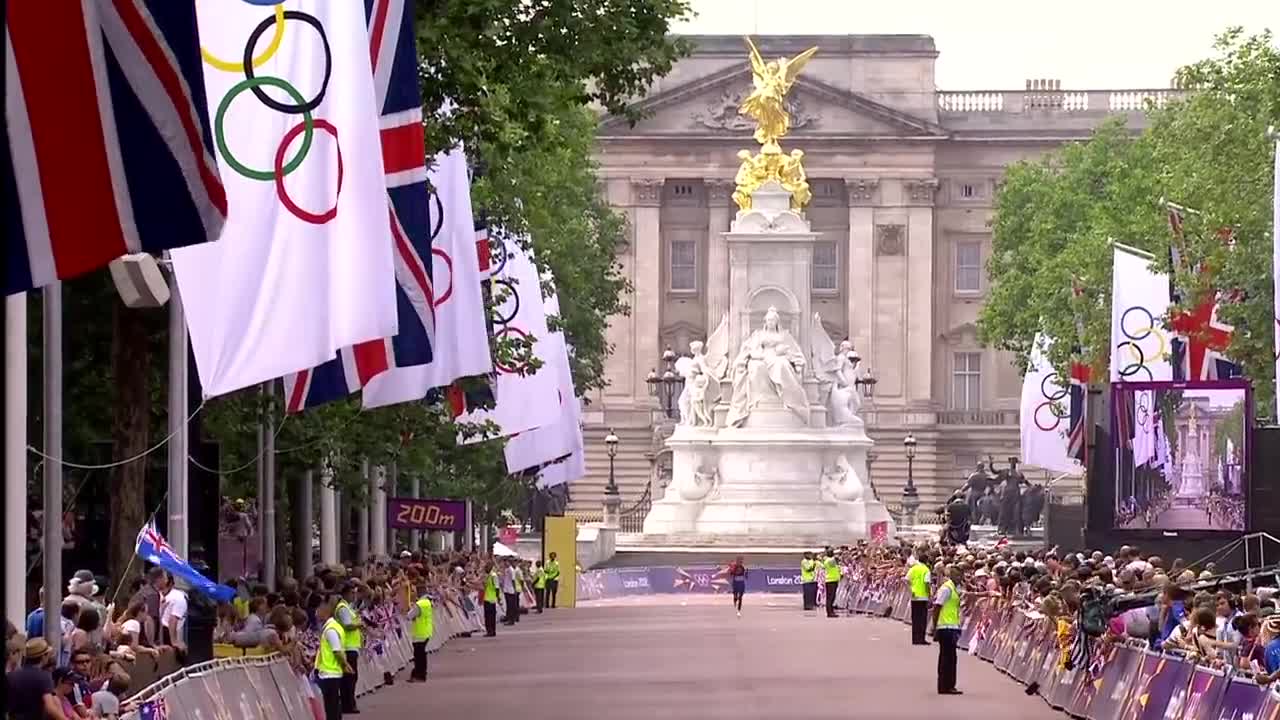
622 582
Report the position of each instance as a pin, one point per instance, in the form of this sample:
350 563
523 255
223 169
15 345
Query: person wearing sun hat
1270 650
29 690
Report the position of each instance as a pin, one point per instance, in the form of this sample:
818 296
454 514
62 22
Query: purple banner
1167 686
622 582
1243 699
1204 694
426 514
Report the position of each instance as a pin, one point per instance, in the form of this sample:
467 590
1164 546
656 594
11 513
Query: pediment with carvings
708 107
964 332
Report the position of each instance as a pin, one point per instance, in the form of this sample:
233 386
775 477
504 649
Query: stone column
646 310
328 517
719 212
864 195
378 513
919 196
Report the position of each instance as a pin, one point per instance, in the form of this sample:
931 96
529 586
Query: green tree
1207 150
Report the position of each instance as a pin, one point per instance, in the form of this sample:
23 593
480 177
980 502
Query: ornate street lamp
667 386
866 382
910 496
611 444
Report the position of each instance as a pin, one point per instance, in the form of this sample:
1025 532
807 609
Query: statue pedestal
781 483
781 476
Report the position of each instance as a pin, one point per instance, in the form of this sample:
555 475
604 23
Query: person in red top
738 576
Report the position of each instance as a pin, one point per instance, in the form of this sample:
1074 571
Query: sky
998 44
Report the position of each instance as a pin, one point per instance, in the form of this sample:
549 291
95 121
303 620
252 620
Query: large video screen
1181 454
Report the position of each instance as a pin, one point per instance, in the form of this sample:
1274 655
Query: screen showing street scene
1181 458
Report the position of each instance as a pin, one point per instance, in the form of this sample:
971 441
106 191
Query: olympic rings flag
524 399
1139 299
1044 415
305 265
563 437
461 346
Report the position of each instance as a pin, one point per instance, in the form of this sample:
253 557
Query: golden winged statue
772 80
767 106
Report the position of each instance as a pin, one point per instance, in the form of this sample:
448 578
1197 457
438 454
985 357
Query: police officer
946 629
809 580
353 641
490 598
918 578
831 569
331 661
422 627
553 579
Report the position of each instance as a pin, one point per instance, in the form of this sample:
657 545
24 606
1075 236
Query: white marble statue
841 481
702 371
838 373
768 368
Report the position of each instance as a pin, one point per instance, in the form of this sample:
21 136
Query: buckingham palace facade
903 176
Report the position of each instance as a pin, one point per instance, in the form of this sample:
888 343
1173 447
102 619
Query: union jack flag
395 78
1078 422
115 156
1198 349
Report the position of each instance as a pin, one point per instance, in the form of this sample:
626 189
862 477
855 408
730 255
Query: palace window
826 267
968 266
966 381
684 266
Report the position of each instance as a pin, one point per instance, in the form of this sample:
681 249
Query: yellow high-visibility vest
424 624
326 660
352 639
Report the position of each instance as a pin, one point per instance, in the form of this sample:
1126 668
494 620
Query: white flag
1139 298
563 436
1144 427
525 401
1044 415
304 264
571 470
462 335
1275 269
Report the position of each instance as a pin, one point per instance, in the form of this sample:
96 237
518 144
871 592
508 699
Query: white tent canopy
500 550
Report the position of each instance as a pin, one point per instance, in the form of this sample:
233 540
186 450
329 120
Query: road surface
691 657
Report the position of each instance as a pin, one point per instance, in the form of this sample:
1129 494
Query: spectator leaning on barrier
106 702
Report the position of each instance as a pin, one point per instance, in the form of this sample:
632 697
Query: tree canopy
1205 149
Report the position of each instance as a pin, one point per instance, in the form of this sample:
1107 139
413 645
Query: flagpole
362 516
268 462
176 527
51 297
15 452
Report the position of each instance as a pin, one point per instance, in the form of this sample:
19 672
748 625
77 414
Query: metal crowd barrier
265 686
1126 681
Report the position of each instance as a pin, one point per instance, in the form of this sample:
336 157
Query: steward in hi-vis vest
331 660
422 621
490 599
946 629
353 641
831 569
553 579
539 586
809 581
918 578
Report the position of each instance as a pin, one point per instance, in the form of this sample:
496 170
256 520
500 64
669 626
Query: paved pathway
691 657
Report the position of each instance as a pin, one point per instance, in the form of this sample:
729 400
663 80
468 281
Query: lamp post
666 386
910 496
612 498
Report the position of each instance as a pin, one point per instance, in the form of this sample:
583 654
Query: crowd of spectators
99 639
1139 598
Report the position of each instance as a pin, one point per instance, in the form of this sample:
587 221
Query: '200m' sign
415 514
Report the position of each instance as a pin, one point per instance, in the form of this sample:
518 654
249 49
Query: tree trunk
130 432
